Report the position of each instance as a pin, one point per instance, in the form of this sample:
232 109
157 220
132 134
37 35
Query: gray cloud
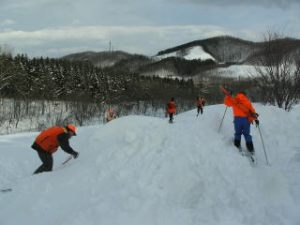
6 22
58 27
21 4
265 3
135 39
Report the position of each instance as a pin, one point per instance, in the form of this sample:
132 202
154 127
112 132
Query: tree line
59 79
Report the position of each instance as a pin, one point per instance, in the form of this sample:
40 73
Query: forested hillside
46 78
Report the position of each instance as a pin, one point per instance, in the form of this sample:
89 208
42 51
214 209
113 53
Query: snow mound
141 170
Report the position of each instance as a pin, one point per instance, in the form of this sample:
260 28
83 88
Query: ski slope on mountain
140 170
193 53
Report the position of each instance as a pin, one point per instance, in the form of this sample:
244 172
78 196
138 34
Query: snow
234 71
141 170
196 52
243 71
162 73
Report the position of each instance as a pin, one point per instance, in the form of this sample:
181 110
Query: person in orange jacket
244 115
171 109
110 115
200 105
48 141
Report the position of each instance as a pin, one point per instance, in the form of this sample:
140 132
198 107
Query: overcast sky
58 27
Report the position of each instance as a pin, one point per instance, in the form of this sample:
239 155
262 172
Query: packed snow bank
141 170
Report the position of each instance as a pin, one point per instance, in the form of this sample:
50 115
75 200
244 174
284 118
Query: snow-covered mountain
227 49
206 56
104 59
141 170
224 49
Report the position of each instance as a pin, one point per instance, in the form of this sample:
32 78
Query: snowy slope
141 170
196 52
234 71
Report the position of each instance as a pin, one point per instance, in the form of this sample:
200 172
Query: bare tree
278 68
6 50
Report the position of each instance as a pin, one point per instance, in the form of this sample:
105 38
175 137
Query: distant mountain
167 66
190 53
176 67
209 56
133 63
289 46
226 49
103 59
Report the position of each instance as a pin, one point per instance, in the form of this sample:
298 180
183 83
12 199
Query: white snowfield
140 170
236 71
196 52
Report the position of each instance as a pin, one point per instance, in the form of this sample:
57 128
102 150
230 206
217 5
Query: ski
246 153
250 156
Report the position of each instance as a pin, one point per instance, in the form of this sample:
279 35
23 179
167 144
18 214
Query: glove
255 115
75 154
257 122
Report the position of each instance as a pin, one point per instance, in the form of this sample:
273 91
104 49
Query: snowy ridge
141 170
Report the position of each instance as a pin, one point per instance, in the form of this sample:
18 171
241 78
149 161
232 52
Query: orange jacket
171 107
110 115
241 106
47 139
200 102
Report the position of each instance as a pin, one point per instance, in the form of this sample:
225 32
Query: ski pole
222 120
67 160
263 144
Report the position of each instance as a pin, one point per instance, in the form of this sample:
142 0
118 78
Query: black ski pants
171 117
46 158
199 109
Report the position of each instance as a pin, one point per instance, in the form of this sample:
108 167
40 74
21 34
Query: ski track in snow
143 170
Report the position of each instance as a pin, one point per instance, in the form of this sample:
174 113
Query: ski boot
237 143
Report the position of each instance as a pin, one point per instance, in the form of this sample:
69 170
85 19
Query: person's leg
198 110
47 160
171 117
201 109
250 147
247 136
238 131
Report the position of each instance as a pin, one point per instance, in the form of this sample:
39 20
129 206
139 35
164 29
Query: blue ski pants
242 126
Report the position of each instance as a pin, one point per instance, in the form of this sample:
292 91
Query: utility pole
110 48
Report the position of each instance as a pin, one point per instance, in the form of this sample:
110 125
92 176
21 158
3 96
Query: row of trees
21 77
36 93
277 79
